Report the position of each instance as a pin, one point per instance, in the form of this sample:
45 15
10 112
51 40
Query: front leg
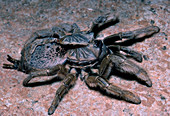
136 34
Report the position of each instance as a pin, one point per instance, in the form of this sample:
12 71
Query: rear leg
136 34
61 72
57 71
15 63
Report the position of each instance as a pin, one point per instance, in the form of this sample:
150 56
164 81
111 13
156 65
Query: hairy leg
103 22
58 71
68 81
116 91
136 34
124 66
129 52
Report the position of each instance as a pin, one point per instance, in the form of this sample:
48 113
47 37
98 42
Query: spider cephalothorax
56 51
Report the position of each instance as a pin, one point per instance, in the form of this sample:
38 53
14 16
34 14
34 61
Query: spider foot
140 33
51 110
130 97
144 78
123 94
134 54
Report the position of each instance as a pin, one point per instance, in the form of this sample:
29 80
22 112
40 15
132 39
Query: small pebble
164 48
145 57
152 22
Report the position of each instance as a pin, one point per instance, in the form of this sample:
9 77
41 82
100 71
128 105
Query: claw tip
137 101
149 83
51 110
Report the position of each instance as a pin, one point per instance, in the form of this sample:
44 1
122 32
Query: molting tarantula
67 52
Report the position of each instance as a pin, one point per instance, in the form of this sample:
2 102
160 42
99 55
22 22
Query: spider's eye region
97 43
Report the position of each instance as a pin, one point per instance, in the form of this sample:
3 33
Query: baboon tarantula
67 52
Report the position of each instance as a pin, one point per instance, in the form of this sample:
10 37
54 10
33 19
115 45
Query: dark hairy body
67 52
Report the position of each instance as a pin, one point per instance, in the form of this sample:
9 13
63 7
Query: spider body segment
57 51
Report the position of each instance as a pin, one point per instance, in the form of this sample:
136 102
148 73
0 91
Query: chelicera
67 52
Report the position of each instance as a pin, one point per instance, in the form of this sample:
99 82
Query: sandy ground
20 18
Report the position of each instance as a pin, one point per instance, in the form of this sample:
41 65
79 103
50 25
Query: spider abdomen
45 56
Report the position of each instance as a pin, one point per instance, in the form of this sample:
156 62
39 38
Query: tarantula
67 52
